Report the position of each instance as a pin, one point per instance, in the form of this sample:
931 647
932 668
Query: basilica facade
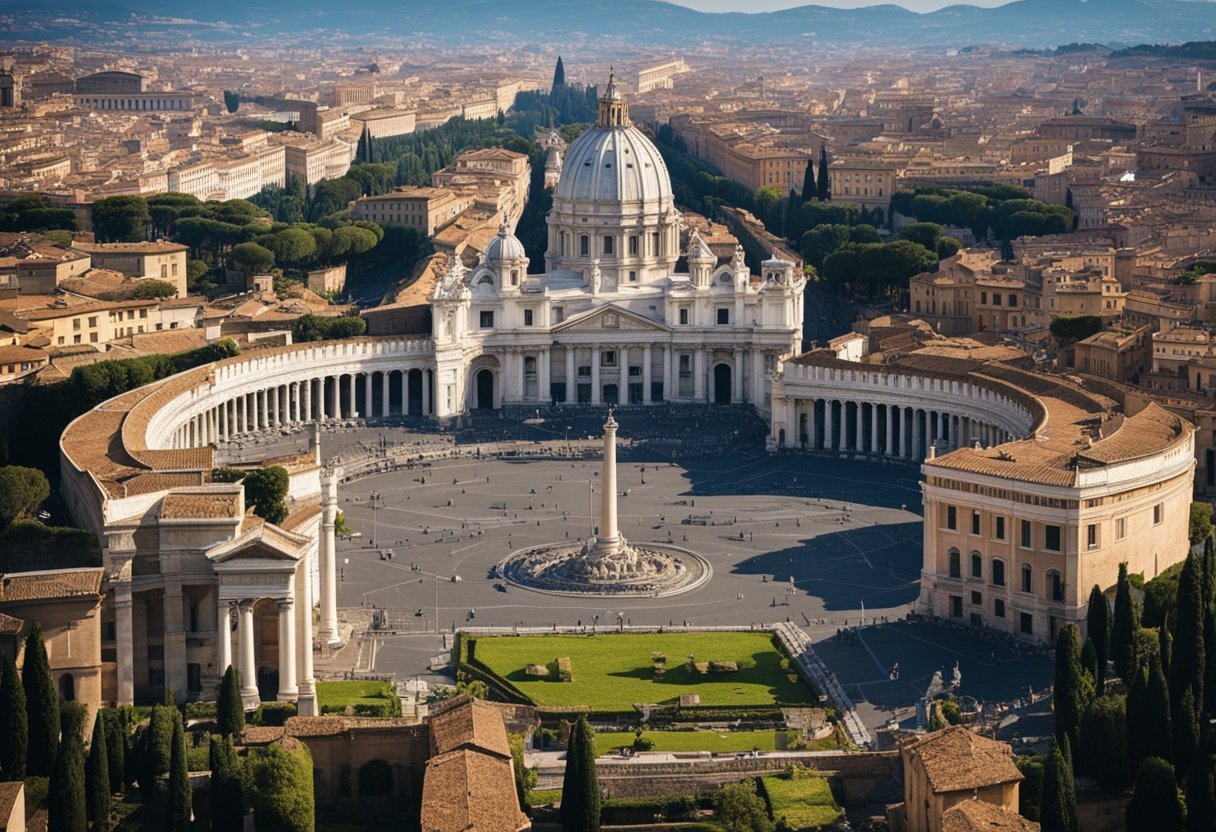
612 318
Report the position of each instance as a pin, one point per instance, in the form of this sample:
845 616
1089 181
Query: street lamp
377 502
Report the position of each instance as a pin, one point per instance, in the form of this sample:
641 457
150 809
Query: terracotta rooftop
956 759
323 726
470 724
10 626
981 816
51 585
142 247
467 790
211 504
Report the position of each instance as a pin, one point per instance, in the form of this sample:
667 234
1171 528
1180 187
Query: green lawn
804 802
613 672
341 694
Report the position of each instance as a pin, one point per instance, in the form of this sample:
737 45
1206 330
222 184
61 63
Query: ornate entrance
485 389
722 384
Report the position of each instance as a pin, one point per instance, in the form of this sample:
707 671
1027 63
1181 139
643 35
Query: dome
505 246
613 164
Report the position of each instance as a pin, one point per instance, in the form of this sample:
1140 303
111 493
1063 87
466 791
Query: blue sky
770 5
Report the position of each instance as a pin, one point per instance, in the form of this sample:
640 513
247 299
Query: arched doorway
721 384
485 389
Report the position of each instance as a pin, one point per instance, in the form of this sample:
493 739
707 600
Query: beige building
313 161
867 183
426 209
661 75
1119 355
160 260
96 322
382 123
758 149
45 268
16 362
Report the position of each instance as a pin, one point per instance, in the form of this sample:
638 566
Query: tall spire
613 110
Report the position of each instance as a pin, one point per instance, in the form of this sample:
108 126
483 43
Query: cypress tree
14 729
808 183
1186 732
1059 810
1187 663
1073 691
42 706
177 810
97 778
580 809
1102 753
1155 805
1124 626
793 215
823 190
1089 659
1209 660
157 751
227 795
1097 626
1165 648
116 749
1200 794
559 74
230 710
1149 730
66 808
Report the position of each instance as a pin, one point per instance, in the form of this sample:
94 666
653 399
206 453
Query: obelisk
609 540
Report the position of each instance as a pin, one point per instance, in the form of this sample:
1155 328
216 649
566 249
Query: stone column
427 410
223 636
571 379
828 444
622 385
288 687
739 380
353 412
386 399
307 391
646 374
811 444
544 381
124 642
860 427
368 410
918 448
335 398
248 668
328 633
595 375
222 422
873 428
608 541
307 697
698 375
174 639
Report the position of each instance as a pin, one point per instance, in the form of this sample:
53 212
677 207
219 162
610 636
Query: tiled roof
469 791
50 585
472 724
956 759
324 726
10 626
208 505
981 816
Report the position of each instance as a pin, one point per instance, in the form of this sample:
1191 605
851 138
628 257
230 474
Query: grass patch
340 694
613 672
803 802
673 741
543 797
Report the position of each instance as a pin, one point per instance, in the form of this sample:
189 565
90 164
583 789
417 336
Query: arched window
1027 578
956 566
584 246
998 572
485 280
1055 585
977 565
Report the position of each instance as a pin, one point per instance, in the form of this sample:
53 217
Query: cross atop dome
613 110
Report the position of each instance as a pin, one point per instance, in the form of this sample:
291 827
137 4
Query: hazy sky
770 5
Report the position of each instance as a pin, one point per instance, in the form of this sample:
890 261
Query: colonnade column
544 381
646 359
335 398
248 668
859 424
736 389
698 375
307 385
426 392
353 412
386 399
622 385
811 424
124 642
873 428
306 697
891 415
595 375
668 390
288 687
223 635
368 410
827 426
918 448
571 381
328 632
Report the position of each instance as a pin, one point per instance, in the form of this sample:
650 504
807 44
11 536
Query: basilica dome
613 162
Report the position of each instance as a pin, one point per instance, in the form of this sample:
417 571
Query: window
1051 538
977 599
1027 624
1027 578
633 244
956 568
92 321
654 243
527 317
76 323
1120 528
683 316
584 246
1157 514
983 297
143 313
723 316
975 522
633 277
998 608
164 270
1055 586
75 339
977 565
1026 540
92 337
607 244
1013 300
608 358
685 365
951 518
956 606
1091 536
559 314
487 319
999 528
174 270
998 572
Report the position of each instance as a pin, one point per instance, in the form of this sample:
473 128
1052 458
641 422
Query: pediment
610 318
263 543
254 552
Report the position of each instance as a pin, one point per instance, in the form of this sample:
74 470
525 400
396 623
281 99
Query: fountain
606 564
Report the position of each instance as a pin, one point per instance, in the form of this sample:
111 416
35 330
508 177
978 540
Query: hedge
27 546
629 810
273 714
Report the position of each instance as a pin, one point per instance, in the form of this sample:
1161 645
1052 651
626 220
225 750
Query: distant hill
1202 50
1025 23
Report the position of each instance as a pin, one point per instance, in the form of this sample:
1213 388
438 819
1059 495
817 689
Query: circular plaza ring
564 569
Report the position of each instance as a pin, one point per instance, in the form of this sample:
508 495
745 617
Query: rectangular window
607 244
527 317
998 608
559 314
1013 300
608 358
92 337
76 323
1091 535
685 365
983 297
951 518
1157 514
633 277
143 313
486 319
633 244
92 321
1051 538
975 522
977 599
996 299
1120 528
998 528
1027 624
683 316
723 316
1027 541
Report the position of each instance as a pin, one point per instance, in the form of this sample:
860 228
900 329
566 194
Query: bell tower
614 112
